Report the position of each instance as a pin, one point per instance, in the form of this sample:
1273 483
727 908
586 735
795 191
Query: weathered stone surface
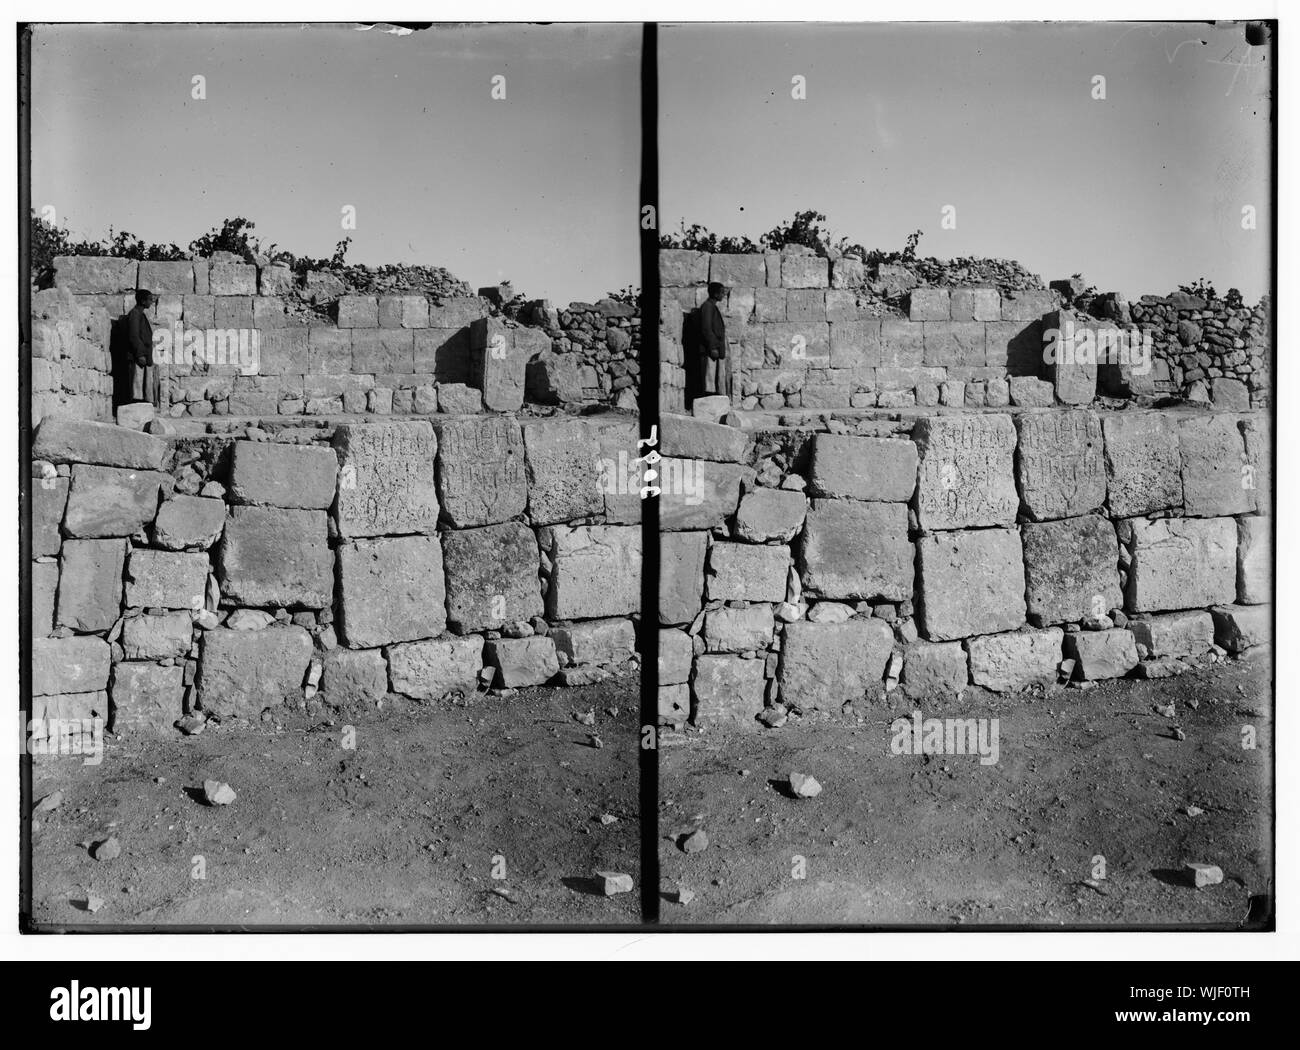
90 588
391 590
232 278
971 583
166 579
676 654
1182 563
45 587
49 498
1239 627
146 698
271 474
356 674
1015 660
770 514
564 473
747 572
459 399
78 664
1060 463
86 274
680 267
620 476
685 437
674 704
1254 560
1030 392
1257 472
491 576
1212 452
738 630
432 669
929 304
522 661
852 549
698 494
189 522
681 575
966 476
1071 569
934 668
1071 369
825 665
1143 463
728 691
387 484
498 363
1102 654
157 637
110 501
804 271
595 641
735 270
481 474
881 469
241 673
1175 634
597 571
274 556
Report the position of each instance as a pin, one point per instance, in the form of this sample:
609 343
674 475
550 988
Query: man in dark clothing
713 344
139 347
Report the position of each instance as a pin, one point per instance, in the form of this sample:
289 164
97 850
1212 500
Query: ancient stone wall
229 572
71 371
809 567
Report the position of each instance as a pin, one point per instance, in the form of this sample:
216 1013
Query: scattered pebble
696 842
586 718
613 882
106 849
48 803
682 895
1178 733
1204 874
608 818
593 740
191 725
218 793
804 786
1193 811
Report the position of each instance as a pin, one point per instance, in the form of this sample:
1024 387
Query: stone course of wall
810 567
71 371
225 574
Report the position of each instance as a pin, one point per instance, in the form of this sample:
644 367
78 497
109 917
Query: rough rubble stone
1060 463
522 661
826 665
241 673
853 549
391 590
1239 627
881 469
189 522
747 572
271 556
491 576
1016 660
1102 654
770 514
966 475
387 484
1071 569
481 470
1182 563
970 583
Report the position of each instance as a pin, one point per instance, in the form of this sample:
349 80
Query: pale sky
299 121
1140 192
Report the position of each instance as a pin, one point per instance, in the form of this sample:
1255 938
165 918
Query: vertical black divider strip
648 403
24 471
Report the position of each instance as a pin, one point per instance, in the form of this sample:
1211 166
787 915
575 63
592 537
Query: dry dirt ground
402 829
944 841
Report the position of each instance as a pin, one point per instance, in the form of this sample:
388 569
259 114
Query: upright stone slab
491 576
1254 560
1212 453
564 474
387 484
681 575
966 475
271 474
1143 463
1071 569
676 657
748 572
111 501
481 471
45 586
882 469
146 698
391 590
728 691
1016 660
90 587
826 665
432 669
1070 367
1060 463
166 579
1182 563
971 583
596 571
857 550
270 556
498 364
241 673
49 498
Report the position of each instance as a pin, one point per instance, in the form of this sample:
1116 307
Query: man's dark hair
143 297
715 288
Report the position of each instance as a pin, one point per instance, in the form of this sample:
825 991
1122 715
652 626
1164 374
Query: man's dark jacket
139 335
713 330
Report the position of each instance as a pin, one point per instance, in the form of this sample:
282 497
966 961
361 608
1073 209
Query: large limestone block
679 267
522 661
270 556
966 475
857 550
49 498
166 579
241 673
387 484
728 691
1182 563
91 274
431 669
596 571
90 589
294 476
697 494
1143 463
1071 569
685 437
676 657
1060 463
1016 660
157 637
189 523
1212 452
481 470
681 575
391 590
934 669
78 664
738 630
971 583
1102 654
1254 560
770 514
564 473
111 501
609 641
825 665
355 674
880 469
491 576
1239 627
734 270
146 698
748 572
1175 634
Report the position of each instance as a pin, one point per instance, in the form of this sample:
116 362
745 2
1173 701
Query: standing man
713 343
139 346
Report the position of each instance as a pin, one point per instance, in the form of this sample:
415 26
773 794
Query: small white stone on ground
1204 874
804 786
218 793
613 882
